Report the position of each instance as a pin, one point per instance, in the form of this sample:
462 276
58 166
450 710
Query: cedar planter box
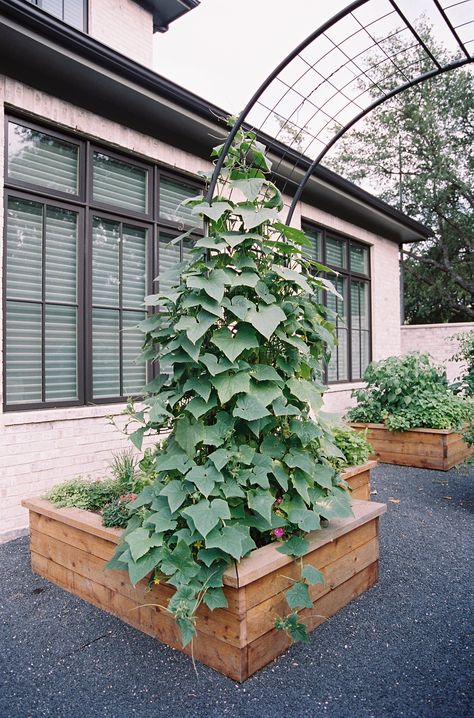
423 448
358 478
69 548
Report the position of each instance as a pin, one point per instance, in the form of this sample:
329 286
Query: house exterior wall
438 340
40 448
124 26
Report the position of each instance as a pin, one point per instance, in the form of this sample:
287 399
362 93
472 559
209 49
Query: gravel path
403 649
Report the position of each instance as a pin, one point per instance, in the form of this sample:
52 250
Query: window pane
105 353
168 257
338 365
24 249
133 266
60 255
55 7
360 305
105 262
74 13
60 353
172 193
336 252
23 353
359 259
134 371
41 159
119 183
315 251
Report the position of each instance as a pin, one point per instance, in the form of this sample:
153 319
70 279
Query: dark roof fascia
162 12
92 50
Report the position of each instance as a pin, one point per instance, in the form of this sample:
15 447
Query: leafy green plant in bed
241 339
410 392
85 494
117 513
465 354
353 447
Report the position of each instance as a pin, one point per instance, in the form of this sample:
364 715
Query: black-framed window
351 260
85 236
72 12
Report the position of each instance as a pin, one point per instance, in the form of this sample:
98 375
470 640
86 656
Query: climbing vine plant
241 340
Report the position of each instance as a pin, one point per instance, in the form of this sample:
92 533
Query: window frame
45 202
84 205
350 275
85 24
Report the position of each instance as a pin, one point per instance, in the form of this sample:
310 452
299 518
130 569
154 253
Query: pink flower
279 501
278 532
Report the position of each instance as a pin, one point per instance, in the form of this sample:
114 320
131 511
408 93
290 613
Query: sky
223 49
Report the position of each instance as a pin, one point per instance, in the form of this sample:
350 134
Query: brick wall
438 340
125 26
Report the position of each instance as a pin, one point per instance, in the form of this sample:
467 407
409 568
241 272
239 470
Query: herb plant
241 340
85 494
117 514
409 392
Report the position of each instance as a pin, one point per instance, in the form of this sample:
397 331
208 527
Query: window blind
119 183
40 159
41 272
172 193
336 252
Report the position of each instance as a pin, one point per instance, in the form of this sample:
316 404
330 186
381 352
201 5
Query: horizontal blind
24 249
134 370
74 13
172 193
41 270
60 353
23 363
336 252
105 262
315 251
105 353
359 259
168 257
41 159
133 266
338 364
119 183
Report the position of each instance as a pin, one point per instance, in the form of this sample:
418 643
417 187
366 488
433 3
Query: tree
417 151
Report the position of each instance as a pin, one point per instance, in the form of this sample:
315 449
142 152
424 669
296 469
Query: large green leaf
139 569
200 325
305 430
254 217
264 372
188 434
204 478
179 559
213 211
203 387
300 459
291 275
250 408
220 458
266 318
216 365
262 502
198 407
215 598
213 284
311 575
203 517
239 306
233 540
175 493
306 391
228 384
232 345
295 547
265 391
140 542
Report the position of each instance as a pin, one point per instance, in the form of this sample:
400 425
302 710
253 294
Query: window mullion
120 306
43 309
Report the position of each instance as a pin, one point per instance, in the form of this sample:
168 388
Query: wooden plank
215 653
415 448
281 579
422 462
359 425
361 493
275 642
268 559
360 469
102 548
78 518
261 618
221 623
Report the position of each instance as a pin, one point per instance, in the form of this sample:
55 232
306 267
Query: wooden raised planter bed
358 478
70 546
423 448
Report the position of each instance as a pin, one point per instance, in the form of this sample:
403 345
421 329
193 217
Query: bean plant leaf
298 596
232 345
250 408
311 575
266 318
215 598
296 547
229 384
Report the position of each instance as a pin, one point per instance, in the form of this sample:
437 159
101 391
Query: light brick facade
438 340
41 448
124 26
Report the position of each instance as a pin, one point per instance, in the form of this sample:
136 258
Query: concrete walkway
403 649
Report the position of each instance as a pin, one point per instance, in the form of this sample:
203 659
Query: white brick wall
438 340
125 26
39 449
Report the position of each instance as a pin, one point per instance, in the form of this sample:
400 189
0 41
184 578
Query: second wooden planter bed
70 546
423 448
358 478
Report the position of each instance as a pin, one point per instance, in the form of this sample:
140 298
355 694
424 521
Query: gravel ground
402 649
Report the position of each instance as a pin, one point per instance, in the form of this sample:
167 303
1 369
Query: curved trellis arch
331 80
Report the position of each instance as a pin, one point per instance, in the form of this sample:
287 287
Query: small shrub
410 392
85 494
116 514
353 445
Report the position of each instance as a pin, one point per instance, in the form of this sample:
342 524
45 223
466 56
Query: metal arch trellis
332 79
